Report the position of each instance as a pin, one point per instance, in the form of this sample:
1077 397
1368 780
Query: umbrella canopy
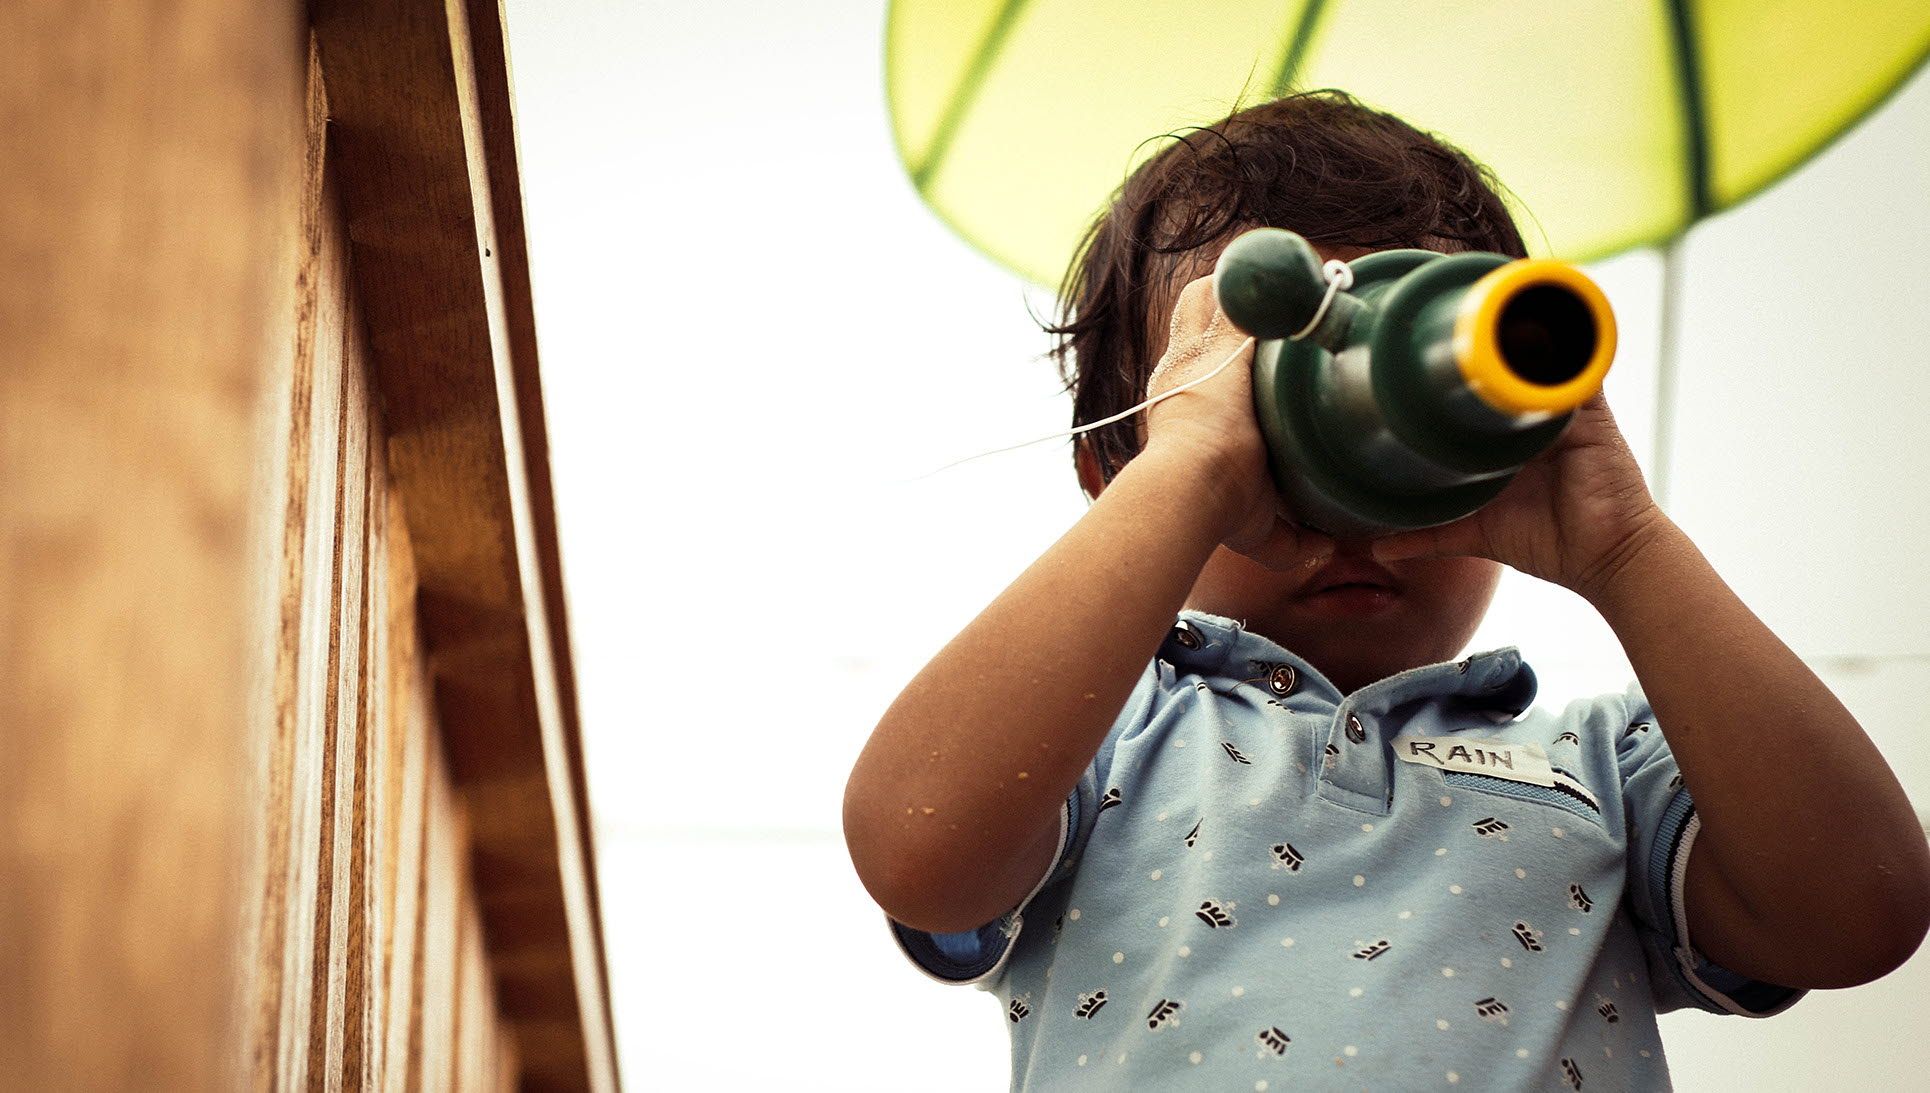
1615 124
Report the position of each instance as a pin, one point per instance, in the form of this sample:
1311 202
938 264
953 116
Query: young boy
1204 798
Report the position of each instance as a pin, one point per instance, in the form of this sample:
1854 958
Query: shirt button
1281 680
1184 635
1354 731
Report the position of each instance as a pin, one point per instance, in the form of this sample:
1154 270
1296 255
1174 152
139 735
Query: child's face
1427 612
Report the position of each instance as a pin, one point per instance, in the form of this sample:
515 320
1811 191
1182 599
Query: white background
755 338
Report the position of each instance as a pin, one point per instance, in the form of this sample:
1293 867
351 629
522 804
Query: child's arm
951 813
1810 869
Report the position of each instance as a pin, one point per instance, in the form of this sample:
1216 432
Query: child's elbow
1884 931
893 870
1903 923
902 878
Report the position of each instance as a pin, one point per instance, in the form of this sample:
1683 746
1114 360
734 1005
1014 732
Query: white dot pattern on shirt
1477 861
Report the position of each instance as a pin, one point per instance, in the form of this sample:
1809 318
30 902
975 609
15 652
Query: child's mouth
1347 579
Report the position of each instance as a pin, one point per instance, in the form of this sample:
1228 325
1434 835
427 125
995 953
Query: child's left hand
1572 515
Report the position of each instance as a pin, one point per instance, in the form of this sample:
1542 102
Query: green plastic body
1368 422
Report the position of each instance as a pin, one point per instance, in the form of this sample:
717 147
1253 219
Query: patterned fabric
1257 890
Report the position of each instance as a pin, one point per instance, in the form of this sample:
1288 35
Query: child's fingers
1462 538
1288 546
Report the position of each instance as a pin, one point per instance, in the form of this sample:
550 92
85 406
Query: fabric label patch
1494 758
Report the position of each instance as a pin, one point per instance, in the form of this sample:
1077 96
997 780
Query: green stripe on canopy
1614 124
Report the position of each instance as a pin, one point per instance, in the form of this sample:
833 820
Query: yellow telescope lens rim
1477 346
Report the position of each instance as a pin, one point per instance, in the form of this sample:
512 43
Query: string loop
1340 278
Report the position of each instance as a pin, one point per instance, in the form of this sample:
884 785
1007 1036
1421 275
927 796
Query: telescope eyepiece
1546 335
1534 337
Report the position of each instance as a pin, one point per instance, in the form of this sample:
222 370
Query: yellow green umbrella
1615 123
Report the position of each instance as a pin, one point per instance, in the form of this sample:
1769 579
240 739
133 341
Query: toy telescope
1421 389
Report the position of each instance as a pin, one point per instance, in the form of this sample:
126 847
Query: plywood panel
147 150
235 809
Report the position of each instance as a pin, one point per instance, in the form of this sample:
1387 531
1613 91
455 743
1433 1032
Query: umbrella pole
1659 462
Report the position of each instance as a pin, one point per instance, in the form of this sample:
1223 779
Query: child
1204 798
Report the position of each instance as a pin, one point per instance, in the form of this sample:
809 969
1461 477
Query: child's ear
1090 478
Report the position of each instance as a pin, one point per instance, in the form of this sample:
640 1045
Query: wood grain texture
290 795
496 113
147 150
413 129
366 877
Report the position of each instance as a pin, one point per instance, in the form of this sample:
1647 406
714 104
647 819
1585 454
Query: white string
1340 277
1089 426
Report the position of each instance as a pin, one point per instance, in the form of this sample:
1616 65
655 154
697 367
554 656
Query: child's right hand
1214 423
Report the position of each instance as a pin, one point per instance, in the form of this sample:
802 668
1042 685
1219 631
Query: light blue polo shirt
1266 884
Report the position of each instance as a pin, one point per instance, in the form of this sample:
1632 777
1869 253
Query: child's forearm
952 811
1810 868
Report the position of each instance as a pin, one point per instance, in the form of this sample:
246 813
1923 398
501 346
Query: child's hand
1214 422
1572 515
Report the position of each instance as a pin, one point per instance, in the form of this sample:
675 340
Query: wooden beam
418 111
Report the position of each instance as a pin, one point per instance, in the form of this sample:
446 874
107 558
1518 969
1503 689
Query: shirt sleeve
1662 827
978 956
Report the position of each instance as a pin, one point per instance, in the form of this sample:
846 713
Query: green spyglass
1412 397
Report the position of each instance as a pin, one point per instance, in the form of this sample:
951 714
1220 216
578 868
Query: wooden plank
290 445
420 192
440 922
338 945
409 748
380 798
149 155
310 776
496 113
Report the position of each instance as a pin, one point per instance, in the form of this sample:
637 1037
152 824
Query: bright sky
755 339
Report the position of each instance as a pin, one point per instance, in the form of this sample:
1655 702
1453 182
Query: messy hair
1316 162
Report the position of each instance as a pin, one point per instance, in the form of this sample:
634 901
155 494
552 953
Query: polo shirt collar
1211 645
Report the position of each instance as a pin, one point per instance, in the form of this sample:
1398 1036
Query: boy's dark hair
1318 163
